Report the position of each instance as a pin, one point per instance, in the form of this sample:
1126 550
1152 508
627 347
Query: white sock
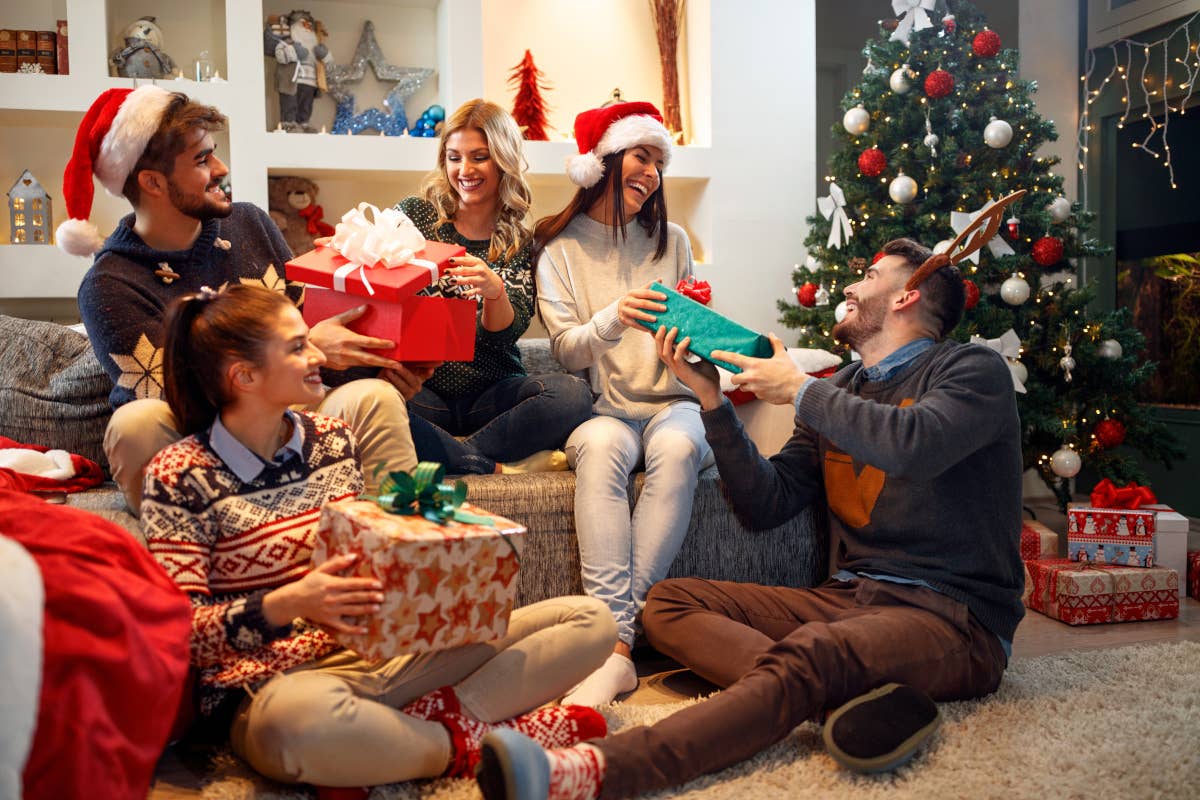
615 676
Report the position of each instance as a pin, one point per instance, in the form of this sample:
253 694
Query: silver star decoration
407 79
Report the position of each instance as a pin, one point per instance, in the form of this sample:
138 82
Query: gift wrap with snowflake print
445 584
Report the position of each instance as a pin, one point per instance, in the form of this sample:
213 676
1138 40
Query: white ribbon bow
834 209
914 16
959 220
1009 346
389 239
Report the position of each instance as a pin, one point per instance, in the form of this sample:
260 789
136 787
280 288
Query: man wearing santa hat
155 148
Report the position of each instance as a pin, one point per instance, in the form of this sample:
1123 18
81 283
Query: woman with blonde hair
488 415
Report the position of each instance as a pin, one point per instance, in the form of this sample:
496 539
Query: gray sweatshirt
581 275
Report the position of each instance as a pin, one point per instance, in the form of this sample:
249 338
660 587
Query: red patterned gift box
422 328
1087 594
1037 541
1193 573
326 267
445 585
1111 536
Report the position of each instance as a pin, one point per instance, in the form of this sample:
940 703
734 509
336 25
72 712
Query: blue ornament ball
427 124
429 133
436 113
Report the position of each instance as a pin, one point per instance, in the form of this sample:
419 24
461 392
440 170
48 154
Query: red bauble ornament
939 83
972 293
1014 227
872 162
1110 433
807 295
1048 251
986 43
877 256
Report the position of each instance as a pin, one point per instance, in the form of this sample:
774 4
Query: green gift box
709 330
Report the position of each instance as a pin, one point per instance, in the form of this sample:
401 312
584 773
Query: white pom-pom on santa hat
611 129
110 140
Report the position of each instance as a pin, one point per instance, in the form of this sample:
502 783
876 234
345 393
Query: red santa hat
111 138
611 129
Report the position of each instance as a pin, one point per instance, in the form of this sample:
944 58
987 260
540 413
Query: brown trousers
785 655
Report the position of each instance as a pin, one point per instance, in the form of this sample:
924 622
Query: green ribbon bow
423 493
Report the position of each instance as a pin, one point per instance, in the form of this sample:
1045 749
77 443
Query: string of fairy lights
1152 94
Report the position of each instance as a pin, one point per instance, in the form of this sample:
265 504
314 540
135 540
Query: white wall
1049 41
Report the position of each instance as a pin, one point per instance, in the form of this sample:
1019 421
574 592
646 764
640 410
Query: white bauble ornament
942 246
903 189
856 121
1018 369
899 80
839 313
1014 291
931 141
1059 209
1110 348
1065 463
997 134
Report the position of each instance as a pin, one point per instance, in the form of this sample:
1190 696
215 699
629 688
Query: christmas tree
529 108
939 128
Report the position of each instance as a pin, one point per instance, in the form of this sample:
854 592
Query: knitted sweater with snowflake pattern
227 543
123 302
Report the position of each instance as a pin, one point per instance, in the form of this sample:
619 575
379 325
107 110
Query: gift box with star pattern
445 584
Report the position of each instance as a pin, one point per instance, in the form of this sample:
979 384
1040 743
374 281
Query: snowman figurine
141 55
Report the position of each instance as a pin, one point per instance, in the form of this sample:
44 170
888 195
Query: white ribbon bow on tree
388 239
914 16
834 209
1009 346
959 220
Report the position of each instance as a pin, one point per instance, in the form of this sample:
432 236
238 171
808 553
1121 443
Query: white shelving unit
40 113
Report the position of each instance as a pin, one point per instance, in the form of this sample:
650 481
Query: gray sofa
54 393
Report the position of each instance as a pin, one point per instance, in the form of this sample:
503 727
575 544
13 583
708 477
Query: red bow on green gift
699 291
1130 496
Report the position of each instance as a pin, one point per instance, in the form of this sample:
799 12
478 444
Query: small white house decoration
29 211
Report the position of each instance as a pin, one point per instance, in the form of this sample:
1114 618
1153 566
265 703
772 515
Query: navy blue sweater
122 302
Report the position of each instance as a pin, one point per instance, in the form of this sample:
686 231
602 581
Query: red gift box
444 585
1037 541
317 267
1086 594
1193 573
423 328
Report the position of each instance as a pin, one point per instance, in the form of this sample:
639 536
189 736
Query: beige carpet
1121 723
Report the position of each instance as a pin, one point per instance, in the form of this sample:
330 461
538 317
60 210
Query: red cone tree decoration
529 108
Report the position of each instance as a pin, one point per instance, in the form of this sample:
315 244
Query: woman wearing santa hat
597 258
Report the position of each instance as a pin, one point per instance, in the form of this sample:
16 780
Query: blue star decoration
407 80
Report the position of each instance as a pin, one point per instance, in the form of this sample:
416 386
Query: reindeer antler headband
981 230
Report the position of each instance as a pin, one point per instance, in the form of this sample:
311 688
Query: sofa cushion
53 391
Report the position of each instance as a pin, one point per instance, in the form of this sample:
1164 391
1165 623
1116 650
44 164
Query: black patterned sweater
227 543
123 301
496 353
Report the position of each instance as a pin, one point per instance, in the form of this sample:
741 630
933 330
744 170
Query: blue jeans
511 419
623 554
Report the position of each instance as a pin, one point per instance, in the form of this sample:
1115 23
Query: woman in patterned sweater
477 197
231 510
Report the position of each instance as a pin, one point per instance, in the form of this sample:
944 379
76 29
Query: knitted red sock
554 726
434 704
576 773
559 726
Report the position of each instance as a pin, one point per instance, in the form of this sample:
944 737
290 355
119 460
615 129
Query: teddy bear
141 55
292 204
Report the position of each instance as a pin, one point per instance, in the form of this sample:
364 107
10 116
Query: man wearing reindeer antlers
916 452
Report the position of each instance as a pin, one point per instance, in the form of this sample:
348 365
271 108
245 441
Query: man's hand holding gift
701 377
408 378
776 379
